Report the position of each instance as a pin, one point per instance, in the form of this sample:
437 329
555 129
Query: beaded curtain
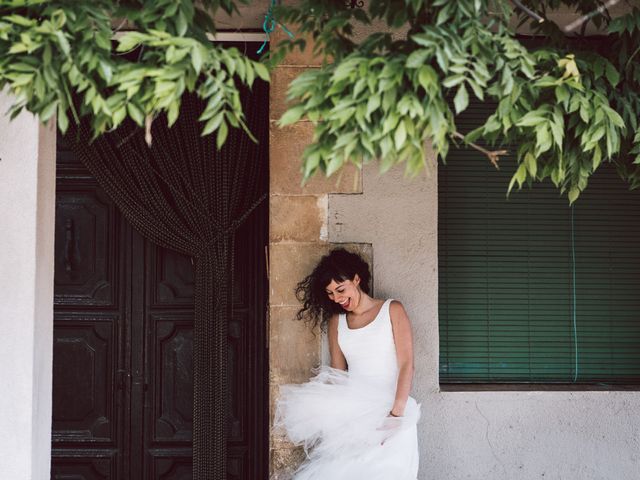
184 194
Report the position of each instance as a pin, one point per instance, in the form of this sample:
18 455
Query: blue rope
573 268
269 25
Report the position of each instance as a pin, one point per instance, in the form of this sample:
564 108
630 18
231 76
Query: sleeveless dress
341 417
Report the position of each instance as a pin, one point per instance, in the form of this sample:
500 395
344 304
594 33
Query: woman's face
345 293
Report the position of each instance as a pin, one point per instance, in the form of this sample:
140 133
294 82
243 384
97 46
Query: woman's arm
404 350
337 357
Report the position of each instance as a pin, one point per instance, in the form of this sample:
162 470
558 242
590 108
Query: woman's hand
391 423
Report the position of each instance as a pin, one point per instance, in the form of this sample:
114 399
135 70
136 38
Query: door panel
85 260
77 467
123 345
84 409
172 409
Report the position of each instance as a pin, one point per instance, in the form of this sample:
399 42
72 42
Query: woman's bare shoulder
396 309
396 305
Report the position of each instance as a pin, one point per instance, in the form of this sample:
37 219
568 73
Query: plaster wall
27 206
510 435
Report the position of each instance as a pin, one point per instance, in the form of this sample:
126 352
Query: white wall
478 435
27 206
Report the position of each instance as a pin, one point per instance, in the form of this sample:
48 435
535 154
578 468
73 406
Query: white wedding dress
341 417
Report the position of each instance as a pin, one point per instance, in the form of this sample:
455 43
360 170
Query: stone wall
297 239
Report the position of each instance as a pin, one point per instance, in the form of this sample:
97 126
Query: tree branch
492 155
529 12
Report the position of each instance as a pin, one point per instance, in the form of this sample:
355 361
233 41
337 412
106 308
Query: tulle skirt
343 424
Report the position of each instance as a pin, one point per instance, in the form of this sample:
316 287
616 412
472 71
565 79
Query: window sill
535 387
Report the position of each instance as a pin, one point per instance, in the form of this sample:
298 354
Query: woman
355 418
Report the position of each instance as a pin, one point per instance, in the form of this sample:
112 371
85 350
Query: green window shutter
506 290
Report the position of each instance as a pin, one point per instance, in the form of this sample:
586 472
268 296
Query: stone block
281 77
285 156
299 218
294 349
248 17
283 461
289 263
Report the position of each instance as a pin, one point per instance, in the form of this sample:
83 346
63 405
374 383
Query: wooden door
123 344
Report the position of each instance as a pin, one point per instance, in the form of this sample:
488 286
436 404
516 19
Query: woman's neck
364 305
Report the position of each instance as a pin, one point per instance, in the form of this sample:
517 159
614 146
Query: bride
354 418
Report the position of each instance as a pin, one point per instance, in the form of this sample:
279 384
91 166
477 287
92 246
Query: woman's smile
346 303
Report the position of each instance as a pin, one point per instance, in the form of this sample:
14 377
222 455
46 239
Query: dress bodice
370 351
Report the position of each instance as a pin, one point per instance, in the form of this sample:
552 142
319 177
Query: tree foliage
53 49
566 104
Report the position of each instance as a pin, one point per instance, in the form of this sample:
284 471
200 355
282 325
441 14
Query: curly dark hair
338 265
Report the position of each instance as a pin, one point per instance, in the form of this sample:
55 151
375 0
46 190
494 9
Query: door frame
28 153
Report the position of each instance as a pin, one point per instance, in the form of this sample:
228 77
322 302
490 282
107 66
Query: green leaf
261 71
598 66
400 136
614 117
18 48
335 163
135 113
181 23
558 134
573 194
129 41
119 115
453 80
585 112
562 95
310 163
372 105
63 120
531 119
223 131
48 111
461 100
196 58
543 139
106 70
173 112
63 43
531 164
597 157
519 177
19 20
417 58
292 115
427 77
477 90
212 124
612 74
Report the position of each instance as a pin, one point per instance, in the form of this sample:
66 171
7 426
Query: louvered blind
506 276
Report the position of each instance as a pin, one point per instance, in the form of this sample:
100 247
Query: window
530 289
